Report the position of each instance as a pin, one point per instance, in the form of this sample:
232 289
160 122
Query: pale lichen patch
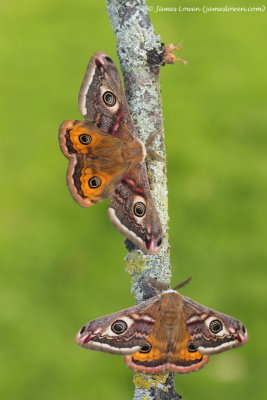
143 381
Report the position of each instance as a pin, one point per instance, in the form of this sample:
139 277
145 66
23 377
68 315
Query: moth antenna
182 284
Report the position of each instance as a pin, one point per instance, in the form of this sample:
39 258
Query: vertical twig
141 53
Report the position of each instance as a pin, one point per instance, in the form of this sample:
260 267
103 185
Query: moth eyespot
94 182
109 99
146 348
215 326
139 209
119 327
85 139
191 347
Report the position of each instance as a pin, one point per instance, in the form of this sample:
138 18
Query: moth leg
150 138
153 154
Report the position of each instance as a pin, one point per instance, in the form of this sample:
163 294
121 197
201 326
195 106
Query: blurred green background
62 265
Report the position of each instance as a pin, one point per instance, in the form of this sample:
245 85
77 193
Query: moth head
213 332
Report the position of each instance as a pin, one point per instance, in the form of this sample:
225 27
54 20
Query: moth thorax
171 309
135 152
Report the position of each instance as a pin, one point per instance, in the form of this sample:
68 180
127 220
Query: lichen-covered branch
141 55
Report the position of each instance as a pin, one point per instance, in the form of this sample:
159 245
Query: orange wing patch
185 355
94 185
79 137
182 360
87 184
152 361
96 161
82 139
153 354
182 353
158 358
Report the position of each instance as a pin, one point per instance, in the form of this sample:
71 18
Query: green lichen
142 381
135 264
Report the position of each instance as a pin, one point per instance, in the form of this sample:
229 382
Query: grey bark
141 55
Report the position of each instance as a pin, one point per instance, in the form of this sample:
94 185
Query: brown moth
106 158
166 332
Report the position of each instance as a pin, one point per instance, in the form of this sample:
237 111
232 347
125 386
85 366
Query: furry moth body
106 158
166 332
